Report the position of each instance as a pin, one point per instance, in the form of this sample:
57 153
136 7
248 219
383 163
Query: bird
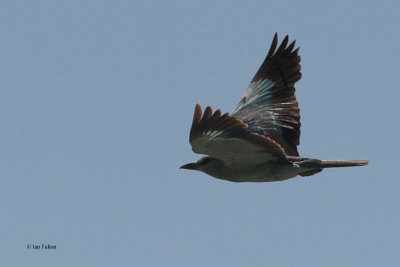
258 141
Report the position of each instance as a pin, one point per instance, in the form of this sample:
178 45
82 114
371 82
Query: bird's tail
342 163
315 165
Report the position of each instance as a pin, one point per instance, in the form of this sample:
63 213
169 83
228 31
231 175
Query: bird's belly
269 172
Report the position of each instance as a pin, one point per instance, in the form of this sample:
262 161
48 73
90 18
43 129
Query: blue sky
96 103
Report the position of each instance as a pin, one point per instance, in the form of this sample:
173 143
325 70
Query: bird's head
206 164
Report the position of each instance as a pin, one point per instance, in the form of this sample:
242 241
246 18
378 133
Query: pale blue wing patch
256 92
252 107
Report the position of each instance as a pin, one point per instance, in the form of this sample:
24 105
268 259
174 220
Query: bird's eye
204 161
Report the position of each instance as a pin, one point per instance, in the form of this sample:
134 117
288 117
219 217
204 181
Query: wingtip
283 44
217 113
286 38
207 113
273 46
197 113
291 46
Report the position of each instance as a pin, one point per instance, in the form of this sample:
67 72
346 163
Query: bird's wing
269 105
228 139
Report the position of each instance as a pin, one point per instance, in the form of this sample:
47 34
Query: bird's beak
190 166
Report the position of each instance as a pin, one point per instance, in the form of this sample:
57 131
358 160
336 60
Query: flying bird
258 141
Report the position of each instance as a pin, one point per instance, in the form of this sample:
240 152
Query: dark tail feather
316 165
342 163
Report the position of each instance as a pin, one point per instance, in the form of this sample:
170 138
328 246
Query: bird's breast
267 172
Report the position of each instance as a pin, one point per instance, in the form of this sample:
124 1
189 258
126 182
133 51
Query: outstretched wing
228 139
269 105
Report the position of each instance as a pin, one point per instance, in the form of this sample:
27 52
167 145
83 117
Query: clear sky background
96 103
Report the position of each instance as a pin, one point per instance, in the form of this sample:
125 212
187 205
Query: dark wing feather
228 139
269 105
